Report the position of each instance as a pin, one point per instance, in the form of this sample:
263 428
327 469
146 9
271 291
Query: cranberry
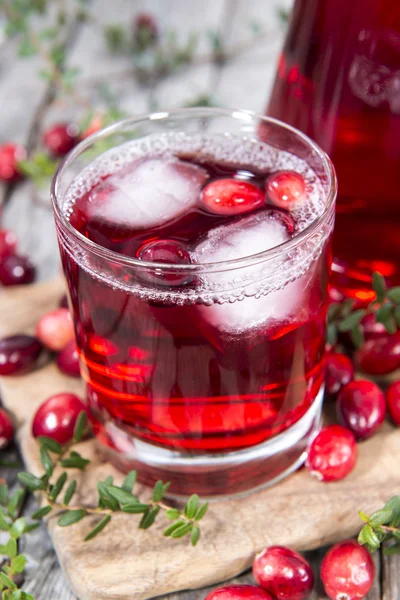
61 138
56 417
286 189
361 407
347 571
16 270
6 429
379 356
10 154
231 197
239 592
68 360
284 573
393 402
371 328
168 252
8 243
145 30
55 329
18 353
332 454
339 371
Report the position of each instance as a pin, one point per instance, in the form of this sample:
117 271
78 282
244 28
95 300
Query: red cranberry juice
338 81
166 362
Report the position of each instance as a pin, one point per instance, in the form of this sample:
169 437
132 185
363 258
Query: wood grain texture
299 512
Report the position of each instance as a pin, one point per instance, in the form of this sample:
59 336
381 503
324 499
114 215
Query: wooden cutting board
125 562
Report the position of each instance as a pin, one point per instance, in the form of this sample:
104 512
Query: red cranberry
286 189
56 417
55 329
393 402
10 154
16 270
168 252
145 30
68 360
8 243
339 371
284 573
332 454
371 328
61 138
18 353
347 571
231 197
361 407
380 356
239 592
6 429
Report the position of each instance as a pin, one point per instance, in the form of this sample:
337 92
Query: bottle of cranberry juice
197 267
338 81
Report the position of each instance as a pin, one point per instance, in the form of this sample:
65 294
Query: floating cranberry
8 243
68 360
361 407
379 356
393 402
339 371
168 252
347 571
332 454
239 592
231 197
61 138
6 429
56 417
10 155
18 353
55 329
284 573
16 270
286 189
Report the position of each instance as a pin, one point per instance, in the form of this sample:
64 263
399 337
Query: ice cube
251 235
152 192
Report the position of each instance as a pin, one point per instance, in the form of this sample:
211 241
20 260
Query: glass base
216 475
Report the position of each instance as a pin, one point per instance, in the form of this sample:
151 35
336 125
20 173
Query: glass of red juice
196 248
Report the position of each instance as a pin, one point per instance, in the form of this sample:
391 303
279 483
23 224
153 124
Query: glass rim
239 114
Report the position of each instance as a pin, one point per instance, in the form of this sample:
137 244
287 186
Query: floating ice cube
152 192
251 235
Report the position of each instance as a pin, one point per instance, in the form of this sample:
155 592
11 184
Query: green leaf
26 48
80 426
74 461
394 505
105 497
394 294
7 581
129 481
172 514
70 491
31 527
149 518
99 527
71 517
352 320
396 314
42 512
381 517
18 563
192 506
16 595
15 502
3 494
368 536
4 524
135 509
195 535
18 528
379 286
50 444
334 311
357 336
11 548
182 530
109 480
58 486
396 535
46 461
31 482
390 550
122 496
116 38
173 527
332 334
363 516
158 491
201 512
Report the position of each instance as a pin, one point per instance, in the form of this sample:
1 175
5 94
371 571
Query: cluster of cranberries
347 573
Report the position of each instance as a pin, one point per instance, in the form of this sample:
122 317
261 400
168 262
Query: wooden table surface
244 81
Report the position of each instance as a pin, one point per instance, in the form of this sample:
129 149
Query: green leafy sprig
382 526
111 497
344 317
